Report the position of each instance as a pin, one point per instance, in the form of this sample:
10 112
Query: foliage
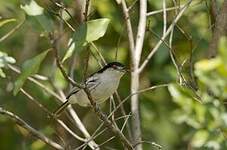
172 117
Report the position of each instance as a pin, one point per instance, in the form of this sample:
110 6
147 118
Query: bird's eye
114 66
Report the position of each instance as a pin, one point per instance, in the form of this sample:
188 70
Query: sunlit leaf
70 50
35 11
2 74
96 29
29 67
223 49
37 145
199 138
207 64
32 9
4 60
90 31
5 21
107 9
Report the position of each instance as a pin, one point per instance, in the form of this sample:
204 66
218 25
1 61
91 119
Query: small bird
101 85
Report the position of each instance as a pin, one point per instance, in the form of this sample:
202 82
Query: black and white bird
101 85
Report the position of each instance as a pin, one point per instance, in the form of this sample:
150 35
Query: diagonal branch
164 36
75 117
30 129
107 122
53 41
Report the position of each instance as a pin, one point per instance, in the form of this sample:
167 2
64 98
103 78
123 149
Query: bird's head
114 69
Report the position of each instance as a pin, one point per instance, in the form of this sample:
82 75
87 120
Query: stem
30 129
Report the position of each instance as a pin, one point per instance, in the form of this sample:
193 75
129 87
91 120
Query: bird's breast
104 90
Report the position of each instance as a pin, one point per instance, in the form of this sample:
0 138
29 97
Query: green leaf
96 29
199 138
90 31
2 74
222 47
70 50
5 21
35 11
29 67
32 9
4 60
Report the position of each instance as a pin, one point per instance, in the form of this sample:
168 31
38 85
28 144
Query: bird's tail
61 108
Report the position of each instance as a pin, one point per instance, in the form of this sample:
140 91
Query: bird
101 85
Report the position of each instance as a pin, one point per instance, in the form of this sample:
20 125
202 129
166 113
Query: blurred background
175 117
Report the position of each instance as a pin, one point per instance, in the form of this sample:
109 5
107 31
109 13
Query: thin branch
136 93
50 114
124 113
140 31
94 136
75 117
132 5
107 122
99 53
53 41
163 37
152 143
128 26
162 10
164 17
11 32
30 129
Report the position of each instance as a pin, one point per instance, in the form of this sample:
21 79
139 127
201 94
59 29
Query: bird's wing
91 82
73 91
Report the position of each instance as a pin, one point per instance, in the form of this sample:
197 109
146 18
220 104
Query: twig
128 26
124 113
94 136
132 5
99 53
163 37
50 114
152 143
164 16
162 10
12 31
30 129
75 117
136 93
107 122
59 64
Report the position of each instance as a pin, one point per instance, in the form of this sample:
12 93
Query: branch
33 100
219 30
136 121
162 10
75 117
128 26
12 31
53 41
107 122
164 36
30 129
140 31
